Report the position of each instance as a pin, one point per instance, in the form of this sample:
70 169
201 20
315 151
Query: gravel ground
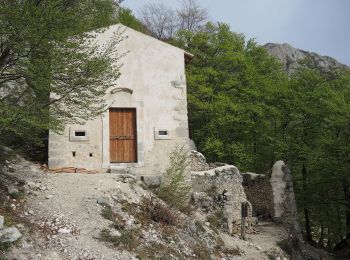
65 211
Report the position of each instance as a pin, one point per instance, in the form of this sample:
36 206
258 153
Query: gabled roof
187 55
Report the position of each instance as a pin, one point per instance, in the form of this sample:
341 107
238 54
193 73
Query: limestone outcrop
291 57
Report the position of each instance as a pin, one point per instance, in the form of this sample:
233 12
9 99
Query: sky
321 26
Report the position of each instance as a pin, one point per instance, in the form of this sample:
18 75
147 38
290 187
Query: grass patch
159 252
129 239
17 195
5 246
201 252
118 222
199 227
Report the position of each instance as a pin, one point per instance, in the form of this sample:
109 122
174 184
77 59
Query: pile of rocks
10 234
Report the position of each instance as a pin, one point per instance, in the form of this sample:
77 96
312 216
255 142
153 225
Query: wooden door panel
123 138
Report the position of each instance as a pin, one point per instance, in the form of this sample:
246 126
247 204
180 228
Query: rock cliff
291 57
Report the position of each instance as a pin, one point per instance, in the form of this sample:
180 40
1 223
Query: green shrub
174 188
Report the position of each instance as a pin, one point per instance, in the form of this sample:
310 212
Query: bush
158 212
174 188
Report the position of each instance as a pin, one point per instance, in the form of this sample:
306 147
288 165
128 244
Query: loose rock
2 220
10 234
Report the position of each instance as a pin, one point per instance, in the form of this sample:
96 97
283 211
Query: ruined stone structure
221 187
198 162
259 192
146 116
285 209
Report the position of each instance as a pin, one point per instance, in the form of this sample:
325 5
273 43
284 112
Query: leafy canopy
51 72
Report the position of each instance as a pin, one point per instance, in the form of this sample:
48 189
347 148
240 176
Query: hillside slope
108 216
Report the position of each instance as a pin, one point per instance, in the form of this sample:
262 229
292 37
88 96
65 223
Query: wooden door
122 135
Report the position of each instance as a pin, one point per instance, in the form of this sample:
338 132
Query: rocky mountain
291 57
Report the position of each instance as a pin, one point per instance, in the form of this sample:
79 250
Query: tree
192 16
245 110
51 72
159 20
231 83
126 17
163 22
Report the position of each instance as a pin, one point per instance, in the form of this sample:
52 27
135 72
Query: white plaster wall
149 68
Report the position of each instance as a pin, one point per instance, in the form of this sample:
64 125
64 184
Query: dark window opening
73 153
163 132
90 154
80 133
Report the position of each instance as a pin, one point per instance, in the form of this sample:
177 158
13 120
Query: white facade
153 82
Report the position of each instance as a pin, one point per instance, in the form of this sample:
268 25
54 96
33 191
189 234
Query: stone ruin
219 188
258 189
226 188
285 209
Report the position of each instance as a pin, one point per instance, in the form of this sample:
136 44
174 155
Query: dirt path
260 245
65 205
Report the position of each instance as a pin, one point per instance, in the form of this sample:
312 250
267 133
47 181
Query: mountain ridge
291 57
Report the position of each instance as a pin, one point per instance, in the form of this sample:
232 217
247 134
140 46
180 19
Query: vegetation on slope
243 108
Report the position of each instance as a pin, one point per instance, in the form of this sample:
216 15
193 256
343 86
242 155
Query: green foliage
175 189
5 246
245 110
127 18
231 83
51 72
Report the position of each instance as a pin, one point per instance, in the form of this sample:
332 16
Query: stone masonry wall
198 162
223 180
259 193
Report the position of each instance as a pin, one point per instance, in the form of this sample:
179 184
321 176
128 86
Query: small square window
163 132
79 133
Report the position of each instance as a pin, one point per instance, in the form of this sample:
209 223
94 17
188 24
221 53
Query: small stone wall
259 193
198 162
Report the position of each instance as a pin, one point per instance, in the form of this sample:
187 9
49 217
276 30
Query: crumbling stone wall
285 209
223 185
259 193
198 162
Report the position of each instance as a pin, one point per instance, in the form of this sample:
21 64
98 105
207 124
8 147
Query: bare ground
66 218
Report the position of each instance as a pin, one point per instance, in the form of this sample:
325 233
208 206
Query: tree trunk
321 239
347 201
306 209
